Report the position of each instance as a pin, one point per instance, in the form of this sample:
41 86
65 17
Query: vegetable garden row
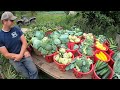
84 53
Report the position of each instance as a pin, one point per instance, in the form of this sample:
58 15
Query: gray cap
8 16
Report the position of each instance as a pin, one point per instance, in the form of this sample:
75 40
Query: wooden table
52 69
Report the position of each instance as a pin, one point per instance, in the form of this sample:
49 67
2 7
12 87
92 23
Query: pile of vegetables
43 44
59 39
82 64
63 57
102 69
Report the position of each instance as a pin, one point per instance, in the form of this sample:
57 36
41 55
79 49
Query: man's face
8 23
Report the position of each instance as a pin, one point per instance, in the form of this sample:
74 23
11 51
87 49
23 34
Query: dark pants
26 67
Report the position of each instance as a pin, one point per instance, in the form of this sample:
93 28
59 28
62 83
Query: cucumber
114 55
99 64
106 75
105 71
98 72
103 66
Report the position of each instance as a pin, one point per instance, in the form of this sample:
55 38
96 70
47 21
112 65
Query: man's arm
24 45
6 54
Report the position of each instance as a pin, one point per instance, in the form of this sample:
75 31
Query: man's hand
17 57
27 54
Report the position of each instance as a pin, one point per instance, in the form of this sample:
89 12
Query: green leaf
67 68
72 66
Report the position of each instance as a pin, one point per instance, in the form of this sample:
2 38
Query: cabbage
40 49
36 43
57 41
78 34
43 44
44 39
48 47
64 38
39 34
55 36
56 33
34 38
44 52
54 47
71 32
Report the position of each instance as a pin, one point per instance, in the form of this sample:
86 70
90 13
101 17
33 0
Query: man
13 46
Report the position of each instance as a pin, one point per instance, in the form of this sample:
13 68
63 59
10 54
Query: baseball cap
8 16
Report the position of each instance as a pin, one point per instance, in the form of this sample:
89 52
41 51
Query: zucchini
100 71
99 64
106 75
105 71
103 66
114 55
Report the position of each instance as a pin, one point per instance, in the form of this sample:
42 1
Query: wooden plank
52 69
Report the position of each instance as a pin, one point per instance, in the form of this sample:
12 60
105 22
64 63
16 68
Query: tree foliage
97 22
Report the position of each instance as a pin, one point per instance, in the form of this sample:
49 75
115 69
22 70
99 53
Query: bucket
81 74
95 76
